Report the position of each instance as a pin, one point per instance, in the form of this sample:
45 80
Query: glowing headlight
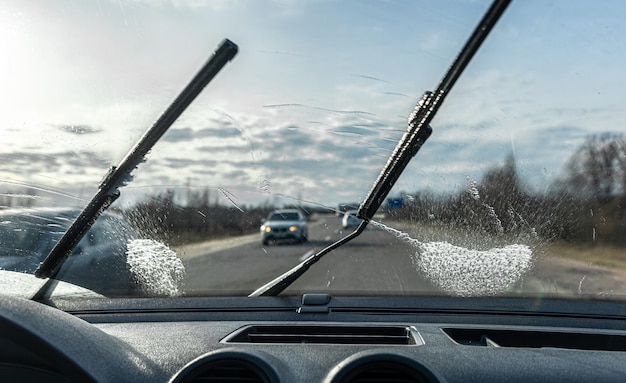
293 228
267 229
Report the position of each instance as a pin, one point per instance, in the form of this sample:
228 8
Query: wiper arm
119 176
417 133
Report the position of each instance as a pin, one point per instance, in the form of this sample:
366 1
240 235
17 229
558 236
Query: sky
314 102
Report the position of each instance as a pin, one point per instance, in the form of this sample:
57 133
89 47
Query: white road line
306 255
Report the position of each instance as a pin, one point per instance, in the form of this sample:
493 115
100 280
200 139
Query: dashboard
312 338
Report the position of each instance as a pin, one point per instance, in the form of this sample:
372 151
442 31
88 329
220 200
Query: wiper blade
417 133
119 176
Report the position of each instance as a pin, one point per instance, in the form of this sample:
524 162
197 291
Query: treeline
161 217
196 218
587 204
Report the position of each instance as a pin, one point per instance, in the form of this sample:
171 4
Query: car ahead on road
285 224
342 208
97 263
350 219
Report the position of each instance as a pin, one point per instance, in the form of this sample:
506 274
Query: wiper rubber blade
417 133
119 176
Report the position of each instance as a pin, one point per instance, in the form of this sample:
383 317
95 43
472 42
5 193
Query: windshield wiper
417 133
119 176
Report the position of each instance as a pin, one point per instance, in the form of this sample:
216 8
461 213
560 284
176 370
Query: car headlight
293 228
267 229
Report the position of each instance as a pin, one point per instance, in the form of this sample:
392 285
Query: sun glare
13 47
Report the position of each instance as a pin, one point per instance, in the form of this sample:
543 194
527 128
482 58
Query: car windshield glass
520 189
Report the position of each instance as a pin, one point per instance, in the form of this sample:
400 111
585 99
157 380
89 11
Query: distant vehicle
344 207
285 224
350 219
98 262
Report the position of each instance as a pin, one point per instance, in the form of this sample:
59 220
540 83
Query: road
376 261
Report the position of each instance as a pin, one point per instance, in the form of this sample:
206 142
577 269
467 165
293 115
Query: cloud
189 134
226 130
290 159
358 131
178 135
221 148
184 162
237 174
79 129
24 162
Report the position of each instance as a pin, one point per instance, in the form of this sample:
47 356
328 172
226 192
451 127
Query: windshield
519 190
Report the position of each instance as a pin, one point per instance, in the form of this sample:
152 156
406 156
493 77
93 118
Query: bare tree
597 170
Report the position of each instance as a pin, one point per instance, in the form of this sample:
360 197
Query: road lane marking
306 255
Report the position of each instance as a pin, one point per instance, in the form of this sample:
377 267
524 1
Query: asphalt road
375 261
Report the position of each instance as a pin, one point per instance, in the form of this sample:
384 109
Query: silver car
350 219
285 224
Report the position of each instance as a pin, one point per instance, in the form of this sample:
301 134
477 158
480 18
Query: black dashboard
314 339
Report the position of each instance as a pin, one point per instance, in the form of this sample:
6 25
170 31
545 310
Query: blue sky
316 98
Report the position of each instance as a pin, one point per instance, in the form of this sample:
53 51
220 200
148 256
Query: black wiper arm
119 176
418 131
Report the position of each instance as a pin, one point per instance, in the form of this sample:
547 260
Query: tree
502 197
595 182
597 169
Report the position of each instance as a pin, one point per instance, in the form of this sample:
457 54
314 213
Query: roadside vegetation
587 205
161 217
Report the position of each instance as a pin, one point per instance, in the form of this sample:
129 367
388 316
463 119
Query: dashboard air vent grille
537 339
387 335
227 370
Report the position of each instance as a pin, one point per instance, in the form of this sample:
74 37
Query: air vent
537 339
384 372
387 335
225 370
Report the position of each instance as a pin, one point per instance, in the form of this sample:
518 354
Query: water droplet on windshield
593 234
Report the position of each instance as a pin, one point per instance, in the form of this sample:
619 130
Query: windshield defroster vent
385 335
